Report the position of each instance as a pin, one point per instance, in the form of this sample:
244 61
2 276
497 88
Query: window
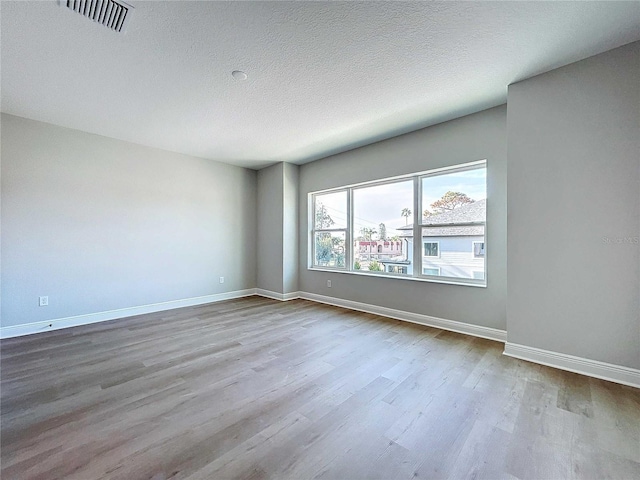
370 228
431 249
453 211
378 220
396 269
330 229
431 271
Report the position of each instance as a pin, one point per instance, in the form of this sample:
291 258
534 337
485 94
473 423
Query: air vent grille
111 14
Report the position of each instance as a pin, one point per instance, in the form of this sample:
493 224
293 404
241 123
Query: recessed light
239 75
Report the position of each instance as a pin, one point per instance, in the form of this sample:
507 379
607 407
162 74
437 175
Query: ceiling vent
112 14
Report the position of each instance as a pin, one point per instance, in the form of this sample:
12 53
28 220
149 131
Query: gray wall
270 220
474 137
278 228
99 224
291 227
574 209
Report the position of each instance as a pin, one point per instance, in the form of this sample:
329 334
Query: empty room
319 240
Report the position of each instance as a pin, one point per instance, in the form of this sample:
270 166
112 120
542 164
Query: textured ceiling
324 77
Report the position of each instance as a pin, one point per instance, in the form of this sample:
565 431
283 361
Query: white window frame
417 229
315 230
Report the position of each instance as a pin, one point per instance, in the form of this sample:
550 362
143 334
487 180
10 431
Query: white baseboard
592 368
283 297
59 323
583 366
452 325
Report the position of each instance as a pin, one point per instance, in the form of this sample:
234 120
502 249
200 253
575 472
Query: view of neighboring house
378 249
452 244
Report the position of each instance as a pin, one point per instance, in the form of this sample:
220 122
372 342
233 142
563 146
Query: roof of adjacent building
391 261
447 224
463 231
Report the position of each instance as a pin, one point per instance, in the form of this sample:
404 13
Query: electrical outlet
43 301
221 279
329 283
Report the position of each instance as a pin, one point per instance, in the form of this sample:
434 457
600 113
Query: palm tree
368 233
406 213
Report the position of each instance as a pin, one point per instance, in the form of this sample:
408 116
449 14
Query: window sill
447 281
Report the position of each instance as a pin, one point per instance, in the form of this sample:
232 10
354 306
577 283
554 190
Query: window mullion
312 233
349 236
417 219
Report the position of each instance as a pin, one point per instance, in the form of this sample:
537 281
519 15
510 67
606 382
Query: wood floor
255 389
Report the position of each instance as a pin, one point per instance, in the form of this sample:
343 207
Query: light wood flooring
256 389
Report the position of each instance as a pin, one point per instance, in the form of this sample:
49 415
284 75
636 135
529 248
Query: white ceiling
324 77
